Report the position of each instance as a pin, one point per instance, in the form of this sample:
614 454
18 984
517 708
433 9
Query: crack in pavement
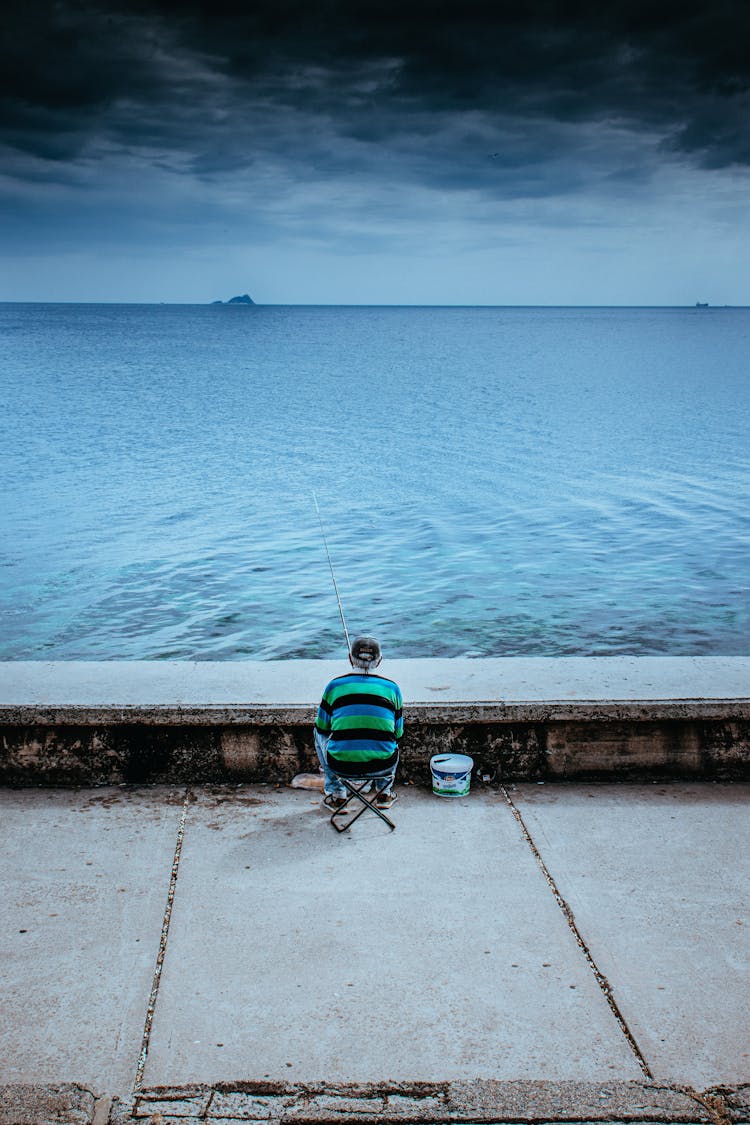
154 993
711 1100
599 976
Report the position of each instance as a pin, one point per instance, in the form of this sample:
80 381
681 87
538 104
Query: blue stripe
372 748
363 709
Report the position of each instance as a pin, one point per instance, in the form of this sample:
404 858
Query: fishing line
333 576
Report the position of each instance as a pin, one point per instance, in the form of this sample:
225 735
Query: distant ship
701 304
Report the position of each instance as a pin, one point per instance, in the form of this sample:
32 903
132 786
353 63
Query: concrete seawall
83 723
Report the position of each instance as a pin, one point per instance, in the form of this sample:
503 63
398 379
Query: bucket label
456 785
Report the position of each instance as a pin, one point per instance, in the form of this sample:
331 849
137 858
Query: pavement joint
601 979
154 993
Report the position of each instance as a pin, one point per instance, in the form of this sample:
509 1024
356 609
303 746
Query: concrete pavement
660 888
81 910
321 951
536 953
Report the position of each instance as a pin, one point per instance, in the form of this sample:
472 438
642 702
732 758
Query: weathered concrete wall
135 752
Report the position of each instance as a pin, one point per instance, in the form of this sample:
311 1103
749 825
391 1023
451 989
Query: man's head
365 654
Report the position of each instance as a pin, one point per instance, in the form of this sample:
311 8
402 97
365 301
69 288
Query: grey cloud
506 100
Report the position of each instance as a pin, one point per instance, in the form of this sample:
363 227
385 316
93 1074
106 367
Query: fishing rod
333 576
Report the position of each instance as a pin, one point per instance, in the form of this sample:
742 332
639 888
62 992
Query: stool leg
354 792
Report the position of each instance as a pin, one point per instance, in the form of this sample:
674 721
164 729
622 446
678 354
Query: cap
366 651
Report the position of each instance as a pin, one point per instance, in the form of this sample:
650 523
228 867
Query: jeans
332 785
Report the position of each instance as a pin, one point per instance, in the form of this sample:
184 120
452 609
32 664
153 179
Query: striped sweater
363 714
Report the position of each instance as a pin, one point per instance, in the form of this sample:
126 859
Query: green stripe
380 690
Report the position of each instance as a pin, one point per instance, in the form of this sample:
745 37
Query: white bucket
451 774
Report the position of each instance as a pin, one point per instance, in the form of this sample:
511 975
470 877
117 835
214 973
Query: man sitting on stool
359 723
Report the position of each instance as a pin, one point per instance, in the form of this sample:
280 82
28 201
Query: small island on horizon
245 299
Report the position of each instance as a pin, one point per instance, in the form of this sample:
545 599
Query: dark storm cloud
517 100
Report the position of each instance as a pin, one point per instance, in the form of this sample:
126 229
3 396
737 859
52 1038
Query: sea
490 481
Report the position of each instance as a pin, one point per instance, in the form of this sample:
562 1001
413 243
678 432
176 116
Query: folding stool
354 787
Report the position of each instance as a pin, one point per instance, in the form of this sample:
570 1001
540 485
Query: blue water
494 481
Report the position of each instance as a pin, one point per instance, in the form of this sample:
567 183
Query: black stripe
399 714
370 733
362 769
356 699
325 707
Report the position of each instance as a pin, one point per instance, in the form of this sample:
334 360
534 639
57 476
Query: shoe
333 802
385 800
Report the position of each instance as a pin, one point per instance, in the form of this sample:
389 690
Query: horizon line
364 304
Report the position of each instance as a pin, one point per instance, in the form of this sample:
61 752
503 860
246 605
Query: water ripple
511 482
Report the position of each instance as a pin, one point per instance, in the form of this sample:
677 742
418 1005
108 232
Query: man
360 721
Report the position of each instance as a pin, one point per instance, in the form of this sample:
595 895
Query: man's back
363 714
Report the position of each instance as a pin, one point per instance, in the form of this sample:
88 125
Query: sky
383 152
